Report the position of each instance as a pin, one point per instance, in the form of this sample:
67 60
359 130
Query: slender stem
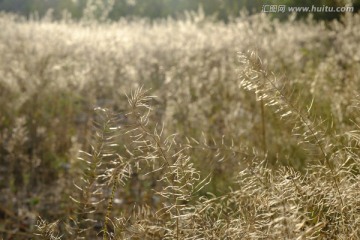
263 128
108 211
167 161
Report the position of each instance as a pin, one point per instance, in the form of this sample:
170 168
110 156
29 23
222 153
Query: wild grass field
180 129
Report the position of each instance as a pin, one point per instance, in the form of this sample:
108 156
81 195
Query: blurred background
219 9
62 58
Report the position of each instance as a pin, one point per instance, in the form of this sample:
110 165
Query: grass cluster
237 144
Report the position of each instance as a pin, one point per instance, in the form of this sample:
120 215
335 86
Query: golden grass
238 144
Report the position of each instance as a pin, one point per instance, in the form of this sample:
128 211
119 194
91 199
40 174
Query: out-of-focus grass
52 75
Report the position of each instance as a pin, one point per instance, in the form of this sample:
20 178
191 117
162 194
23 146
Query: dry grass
238 144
